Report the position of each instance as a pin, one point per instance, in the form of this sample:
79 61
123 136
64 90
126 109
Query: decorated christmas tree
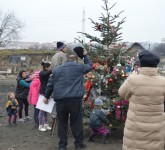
107 53
111 64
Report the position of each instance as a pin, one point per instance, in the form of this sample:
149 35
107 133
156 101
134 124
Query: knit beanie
98 102
148 59
60 45
79 51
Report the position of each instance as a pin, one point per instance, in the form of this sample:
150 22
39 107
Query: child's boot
41 128
14 123
91 138
104 139
9 125
47 127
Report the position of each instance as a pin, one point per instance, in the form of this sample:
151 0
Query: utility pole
83 24
149 46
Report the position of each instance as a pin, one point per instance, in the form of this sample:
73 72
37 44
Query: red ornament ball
99 27
110 80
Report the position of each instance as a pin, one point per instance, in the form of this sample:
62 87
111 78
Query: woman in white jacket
144 127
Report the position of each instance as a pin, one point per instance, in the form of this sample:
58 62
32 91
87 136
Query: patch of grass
24 51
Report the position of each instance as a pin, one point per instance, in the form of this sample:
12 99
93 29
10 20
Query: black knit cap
79 51
148 59
60 45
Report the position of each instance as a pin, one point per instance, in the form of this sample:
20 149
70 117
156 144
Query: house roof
143 45
135 44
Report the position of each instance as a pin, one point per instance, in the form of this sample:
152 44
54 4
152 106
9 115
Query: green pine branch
108 27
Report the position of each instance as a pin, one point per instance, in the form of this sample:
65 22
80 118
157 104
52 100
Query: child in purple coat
98 121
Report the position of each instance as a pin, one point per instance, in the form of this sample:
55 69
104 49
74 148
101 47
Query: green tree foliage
106 53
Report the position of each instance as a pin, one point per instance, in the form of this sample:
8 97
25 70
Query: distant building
29 45
134 49
163 40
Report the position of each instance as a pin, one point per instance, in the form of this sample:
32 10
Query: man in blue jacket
67 85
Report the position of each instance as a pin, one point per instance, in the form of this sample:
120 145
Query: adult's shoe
80 146
21 120
62 148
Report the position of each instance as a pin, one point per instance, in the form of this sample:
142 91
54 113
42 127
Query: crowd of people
63 80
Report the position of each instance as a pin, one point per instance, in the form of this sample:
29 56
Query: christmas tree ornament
118 65
110 80
99 27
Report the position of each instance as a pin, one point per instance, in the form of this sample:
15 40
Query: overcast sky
55 20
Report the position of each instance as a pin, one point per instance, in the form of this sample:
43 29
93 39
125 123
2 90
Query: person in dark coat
21 94
67 85
44 76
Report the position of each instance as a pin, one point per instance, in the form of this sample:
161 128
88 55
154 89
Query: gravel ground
24 136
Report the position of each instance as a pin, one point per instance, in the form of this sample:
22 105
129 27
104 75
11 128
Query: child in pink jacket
34 94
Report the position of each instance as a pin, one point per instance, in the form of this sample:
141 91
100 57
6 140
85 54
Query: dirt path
25 137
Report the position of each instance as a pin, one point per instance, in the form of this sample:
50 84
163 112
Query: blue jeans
36 112
43 117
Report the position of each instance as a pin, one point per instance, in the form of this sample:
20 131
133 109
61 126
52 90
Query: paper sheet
45 107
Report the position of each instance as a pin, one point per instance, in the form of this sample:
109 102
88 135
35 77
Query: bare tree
9 28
